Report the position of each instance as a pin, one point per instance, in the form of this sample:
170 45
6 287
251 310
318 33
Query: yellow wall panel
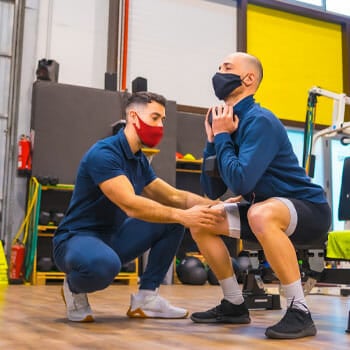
297 53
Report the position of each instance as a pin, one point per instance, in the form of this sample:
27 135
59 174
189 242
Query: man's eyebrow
226 65
156 114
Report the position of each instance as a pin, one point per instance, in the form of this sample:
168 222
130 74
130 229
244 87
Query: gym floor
33 317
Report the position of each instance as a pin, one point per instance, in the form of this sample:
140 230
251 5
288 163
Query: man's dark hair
144 97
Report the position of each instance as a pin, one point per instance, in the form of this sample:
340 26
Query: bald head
244 64
239 76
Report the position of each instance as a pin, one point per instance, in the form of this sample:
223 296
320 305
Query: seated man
256 161
120 209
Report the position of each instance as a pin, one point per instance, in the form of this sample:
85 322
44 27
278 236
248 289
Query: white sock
142 293
232 291
294 293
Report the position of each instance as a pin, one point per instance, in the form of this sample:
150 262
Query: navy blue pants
92 260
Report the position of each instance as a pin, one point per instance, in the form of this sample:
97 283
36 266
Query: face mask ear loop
242 80
138 121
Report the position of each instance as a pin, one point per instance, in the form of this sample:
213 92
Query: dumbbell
53 181
48 180
56 217
44 218
43 180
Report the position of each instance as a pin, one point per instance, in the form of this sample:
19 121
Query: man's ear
132 116
249 79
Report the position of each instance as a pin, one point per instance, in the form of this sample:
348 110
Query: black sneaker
294 324
226 312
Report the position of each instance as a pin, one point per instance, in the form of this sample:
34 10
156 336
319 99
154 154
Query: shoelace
161 300
80 301
216 310
291 306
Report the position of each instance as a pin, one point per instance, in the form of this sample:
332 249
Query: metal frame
339 102
337 127
12 124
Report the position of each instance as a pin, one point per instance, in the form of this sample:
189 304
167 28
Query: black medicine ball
191 271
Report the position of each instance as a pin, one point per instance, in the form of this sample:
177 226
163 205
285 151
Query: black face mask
225 83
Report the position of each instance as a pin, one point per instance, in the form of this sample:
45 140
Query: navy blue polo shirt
89 209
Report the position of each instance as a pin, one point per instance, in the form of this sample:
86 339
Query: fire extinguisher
17 262
24 156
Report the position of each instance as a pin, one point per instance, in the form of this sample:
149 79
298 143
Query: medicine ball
190 261
45 264
191 271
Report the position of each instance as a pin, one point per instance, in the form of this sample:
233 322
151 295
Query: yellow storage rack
36 231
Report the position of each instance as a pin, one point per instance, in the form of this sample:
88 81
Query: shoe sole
231 320
88 318
308 332
139 313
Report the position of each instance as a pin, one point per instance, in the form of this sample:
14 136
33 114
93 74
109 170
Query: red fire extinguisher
17 262
24 155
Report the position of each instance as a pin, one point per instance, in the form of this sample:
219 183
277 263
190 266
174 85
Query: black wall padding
344 202
68 119
191 136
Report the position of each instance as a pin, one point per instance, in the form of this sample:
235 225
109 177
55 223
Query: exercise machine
338 128
313 254
338 125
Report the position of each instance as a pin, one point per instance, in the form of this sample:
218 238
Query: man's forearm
194 199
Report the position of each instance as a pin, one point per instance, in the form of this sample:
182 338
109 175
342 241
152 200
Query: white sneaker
78 308
154 306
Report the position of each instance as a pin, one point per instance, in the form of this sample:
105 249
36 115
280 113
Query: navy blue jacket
258 159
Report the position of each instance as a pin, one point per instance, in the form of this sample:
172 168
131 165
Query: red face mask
149 135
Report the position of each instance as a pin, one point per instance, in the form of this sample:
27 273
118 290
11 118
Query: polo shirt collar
126 147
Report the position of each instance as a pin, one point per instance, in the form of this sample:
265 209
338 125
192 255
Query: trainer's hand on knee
203 216
233 199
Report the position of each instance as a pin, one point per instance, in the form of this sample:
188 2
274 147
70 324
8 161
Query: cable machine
338 125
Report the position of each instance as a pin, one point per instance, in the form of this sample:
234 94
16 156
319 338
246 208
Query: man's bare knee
259 218
266 218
